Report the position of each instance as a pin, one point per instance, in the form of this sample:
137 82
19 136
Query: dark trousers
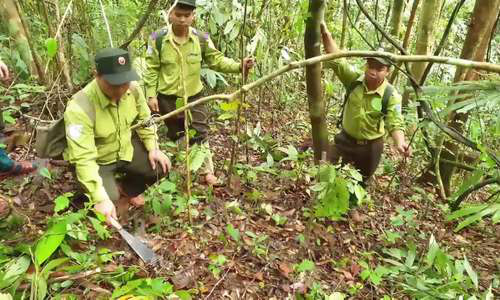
137 175
2 124
175 125
363 155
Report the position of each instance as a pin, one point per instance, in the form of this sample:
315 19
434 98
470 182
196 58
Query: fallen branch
76 276
454 206
332 56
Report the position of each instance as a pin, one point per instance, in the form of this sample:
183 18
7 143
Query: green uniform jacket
363 118
109 139
168 76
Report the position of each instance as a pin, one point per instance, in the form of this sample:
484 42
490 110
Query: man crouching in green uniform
365 115
164 80
100 141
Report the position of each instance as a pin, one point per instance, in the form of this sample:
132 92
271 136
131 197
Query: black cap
115 66
191 3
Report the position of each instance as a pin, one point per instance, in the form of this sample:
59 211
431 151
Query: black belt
359 142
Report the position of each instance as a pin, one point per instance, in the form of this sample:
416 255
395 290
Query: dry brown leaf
285 269
259 276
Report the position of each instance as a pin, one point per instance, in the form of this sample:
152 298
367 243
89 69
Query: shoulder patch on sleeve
397 108
75 131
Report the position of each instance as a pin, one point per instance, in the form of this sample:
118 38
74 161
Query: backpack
51 140
385 99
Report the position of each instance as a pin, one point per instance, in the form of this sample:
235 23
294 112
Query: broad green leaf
433 250
14 270
234 233
197 157
183 295
50 241
45 173
101 231
168 187
336 296
52 265
41 288
305 266
127 288
472 274
412 253
469 210
230 106
496 217
62 202
51 47
225 116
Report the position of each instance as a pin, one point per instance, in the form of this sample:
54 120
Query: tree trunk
63 63
425 38
397 13
475 47
312 45
406 39
16 30
425 35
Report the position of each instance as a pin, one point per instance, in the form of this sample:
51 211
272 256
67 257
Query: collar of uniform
170 34
380 90
102 99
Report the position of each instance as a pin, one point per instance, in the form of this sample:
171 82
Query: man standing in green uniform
164 80
364 123
100 141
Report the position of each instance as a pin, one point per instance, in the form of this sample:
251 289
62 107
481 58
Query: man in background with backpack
100 142
371 106
163 76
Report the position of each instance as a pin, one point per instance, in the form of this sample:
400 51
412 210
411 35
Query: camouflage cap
191 3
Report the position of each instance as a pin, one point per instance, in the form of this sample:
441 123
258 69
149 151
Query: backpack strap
86 105
385 99
203 38
349 90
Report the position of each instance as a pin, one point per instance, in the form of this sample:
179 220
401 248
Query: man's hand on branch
153 104
248 63
326 36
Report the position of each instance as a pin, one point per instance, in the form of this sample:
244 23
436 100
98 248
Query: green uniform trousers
364 155
175 125
133 177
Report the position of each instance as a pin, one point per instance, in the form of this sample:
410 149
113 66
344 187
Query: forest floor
269 256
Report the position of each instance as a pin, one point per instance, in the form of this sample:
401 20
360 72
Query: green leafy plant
258 243
437 275
332 194
475 213
217 261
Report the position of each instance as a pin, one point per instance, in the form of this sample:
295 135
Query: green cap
383 60
191 3
115 65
